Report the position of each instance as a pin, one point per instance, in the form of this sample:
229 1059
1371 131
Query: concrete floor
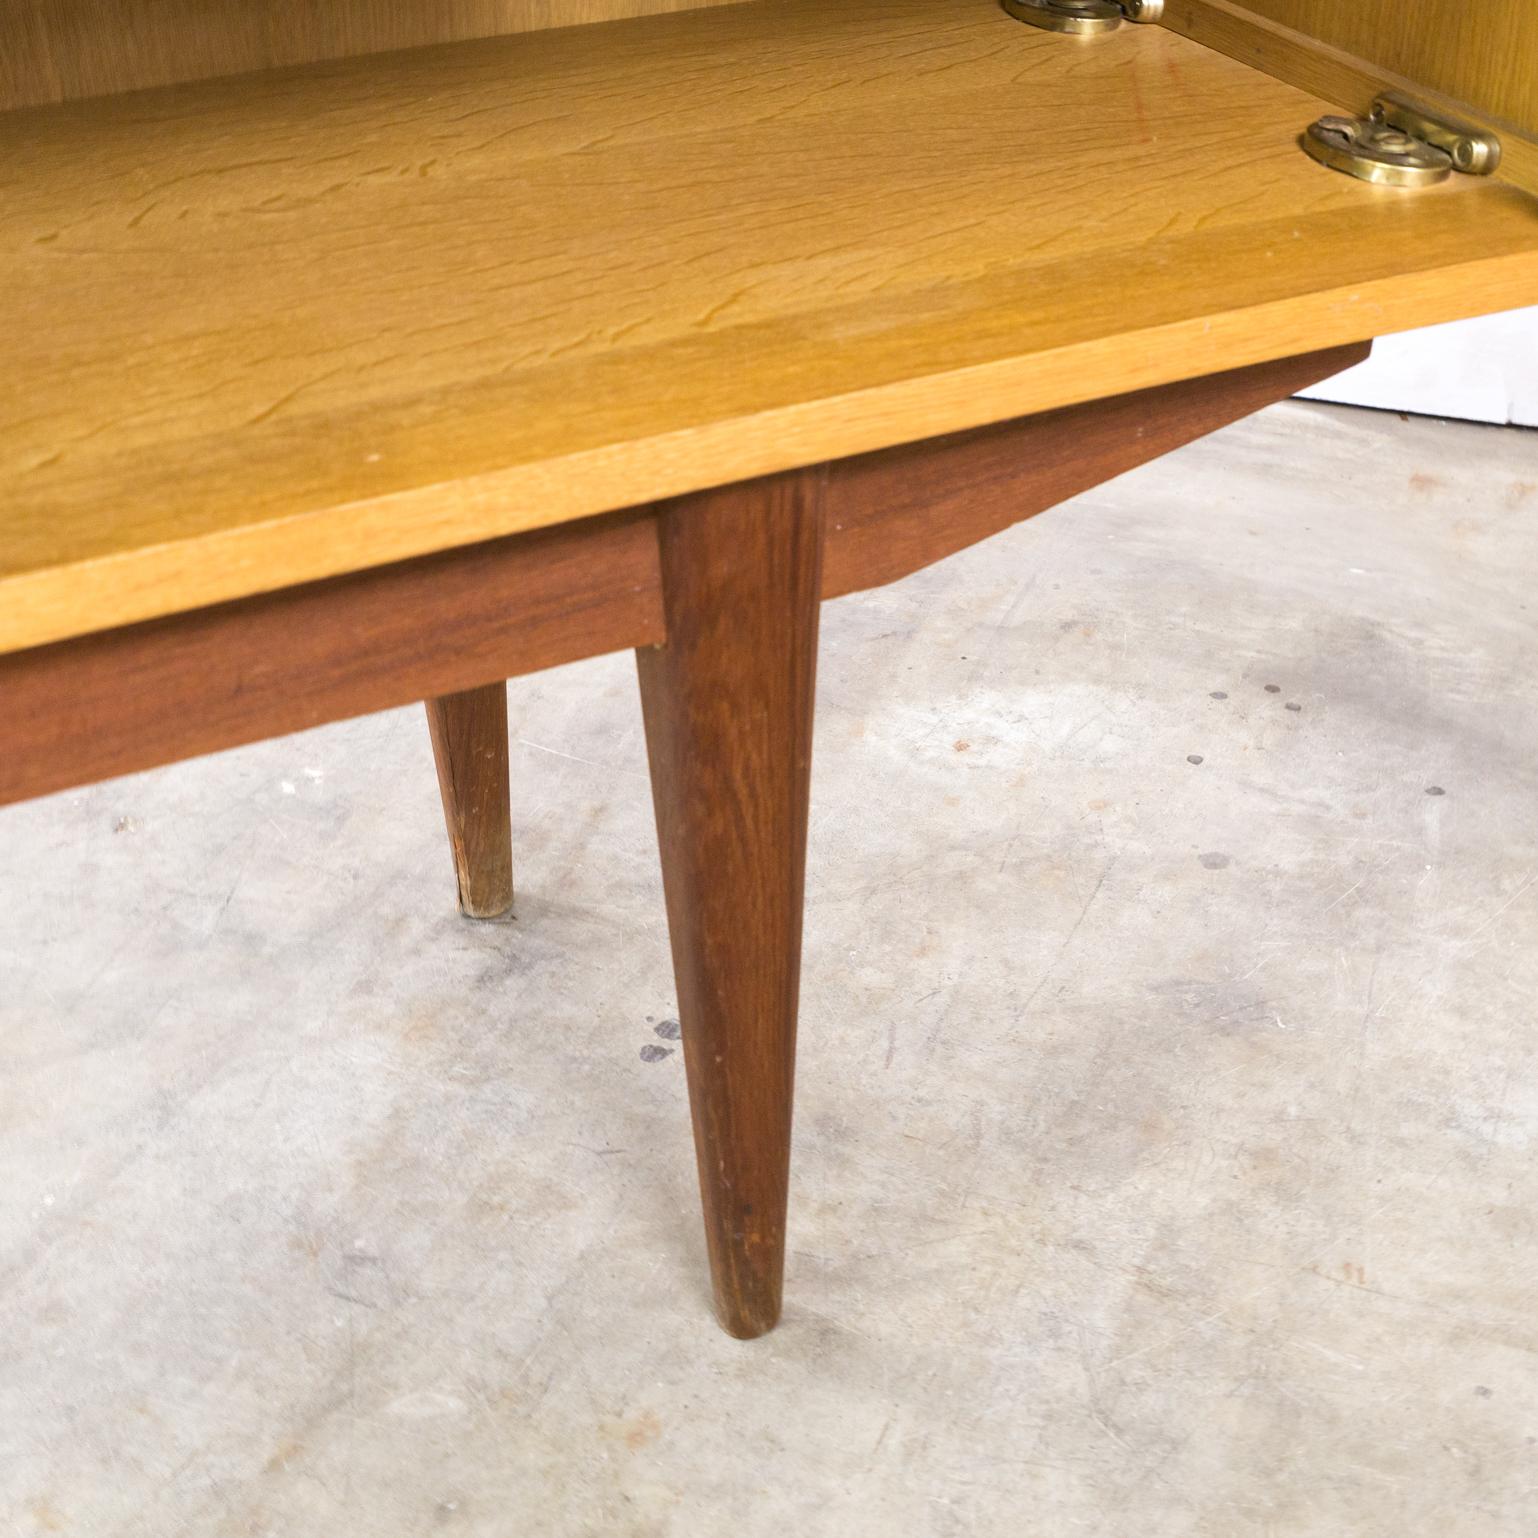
1165 1157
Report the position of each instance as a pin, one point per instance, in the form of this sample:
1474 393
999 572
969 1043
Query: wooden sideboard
377 356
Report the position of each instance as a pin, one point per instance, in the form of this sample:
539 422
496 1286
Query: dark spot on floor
1435 790
1293 707
670 1030
1483 1391
652 1053
1216 861
1194 758
962 746
1273 688
1218 694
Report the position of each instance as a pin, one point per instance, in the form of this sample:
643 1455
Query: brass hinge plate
1402 144
1083 16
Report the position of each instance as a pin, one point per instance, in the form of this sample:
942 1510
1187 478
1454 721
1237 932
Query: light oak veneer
267 330
1483 52
63 50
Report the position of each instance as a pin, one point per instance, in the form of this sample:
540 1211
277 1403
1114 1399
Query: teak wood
728 708
122 700
238 672
896 511
382 377
720 594
469 735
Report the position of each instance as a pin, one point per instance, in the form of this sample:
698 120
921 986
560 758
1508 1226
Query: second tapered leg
728 707
469 732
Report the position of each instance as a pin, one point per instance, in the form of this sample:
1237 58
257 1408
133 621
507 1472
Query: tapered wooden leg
728 707
469 733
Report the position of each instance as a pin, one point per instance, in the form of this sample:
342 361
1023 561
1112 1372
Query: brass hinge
1402 144
1083 16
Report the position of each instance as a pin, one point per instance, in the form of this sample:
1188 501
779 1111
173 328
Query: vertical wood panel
26 63
1484 53
63 50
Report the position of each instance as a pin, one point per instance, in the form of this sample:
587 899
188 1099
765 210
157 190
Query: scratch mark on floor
1062 950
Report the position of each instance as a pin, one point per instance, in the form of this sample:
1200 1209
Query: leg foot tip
746 1322
486 905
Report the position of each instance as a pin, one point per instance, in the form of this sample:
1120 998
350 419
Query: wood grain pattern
1346 80
1484 54
469 735
63 50
238 672
271 330
893 512
728 707
124 700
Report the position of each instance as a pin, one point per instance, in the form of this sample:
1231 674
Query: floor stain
282 1455
637 1432
46 1516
